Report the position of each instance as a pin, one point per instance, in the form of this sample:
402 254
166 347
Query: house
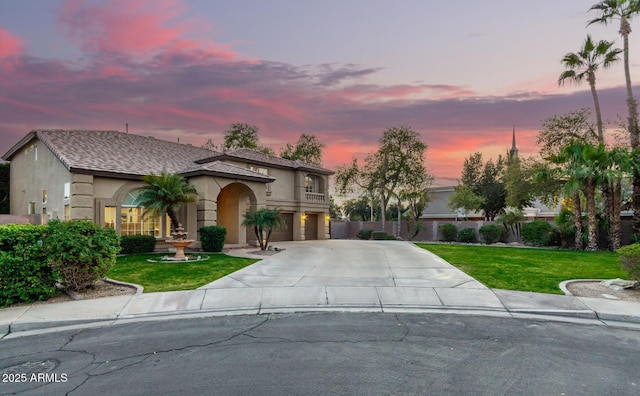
97 175
438 208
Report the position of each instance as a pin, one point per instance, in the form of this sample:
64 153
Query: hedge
467 235
537 233
364 234
130 244
212 238
25 275
491 233
449 232
80 251
629 257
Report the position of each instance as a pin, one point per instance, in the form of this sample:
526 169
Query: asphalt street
327 353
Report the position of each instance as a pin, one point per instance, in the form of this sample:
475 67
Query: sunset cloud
139 28
10 45
141 66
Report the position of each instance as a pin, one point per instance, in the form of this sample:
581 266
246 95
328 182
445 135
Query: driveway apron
349 263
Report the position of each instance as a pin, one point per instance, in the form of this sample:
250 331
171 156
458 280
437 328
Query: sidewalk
265 300
309 277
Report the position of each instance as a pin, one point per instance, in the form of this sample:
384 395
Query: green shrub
378 235
80 251
467 235
491 233
212 238
130 244
364 234
537 233
629 257
25 275
449 232
390 237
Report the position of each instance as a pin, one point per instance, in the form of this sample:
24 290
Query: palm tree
548 176
617 164
625 10
584 171
166 192
584 64
264 220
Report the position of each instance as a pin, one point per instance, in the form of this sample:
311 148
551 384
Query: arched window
132 221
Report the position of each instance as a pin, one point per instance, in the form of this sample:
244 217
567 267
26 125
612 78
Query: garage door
311 227
285 234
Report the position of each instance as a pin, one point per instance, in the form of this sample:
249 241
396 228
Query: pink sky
188 68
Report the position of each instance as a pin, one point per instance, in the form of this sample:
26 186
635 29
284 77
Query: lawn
170 276
524 269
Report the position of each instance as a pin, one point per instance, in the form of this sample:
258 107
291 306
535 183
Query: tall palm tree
264 220
165 193
625 10
583 65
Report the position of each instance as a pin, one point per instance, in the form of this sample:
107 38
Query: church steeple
513 153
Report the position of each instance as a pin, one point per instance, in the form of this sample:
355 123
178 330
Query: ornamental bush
25 275
80 251
212 238
537 233
379 235
491 233
449 232
467 235
629 257
364 234
130 244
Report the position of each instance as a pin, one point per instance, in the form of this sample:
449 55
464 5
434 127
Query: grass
170 276
523 269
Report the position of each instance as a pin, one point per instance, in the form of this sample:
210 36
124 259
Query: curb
563 285
582 316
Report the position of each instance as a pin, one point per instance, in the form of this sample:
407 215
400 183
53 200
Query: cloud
163 83
10 45
136 27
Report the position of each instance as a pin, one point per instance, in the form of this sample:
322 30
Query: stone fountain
179 242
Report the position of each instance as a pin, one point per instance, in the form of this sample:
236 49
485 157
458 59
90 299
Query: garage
279 234
311 227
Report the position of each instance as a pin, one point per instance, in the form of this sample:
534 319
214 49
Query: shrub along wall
25 275
212 238
137 244
80 251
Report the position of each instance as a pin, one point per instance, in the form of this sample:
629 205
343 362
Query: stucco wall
29 176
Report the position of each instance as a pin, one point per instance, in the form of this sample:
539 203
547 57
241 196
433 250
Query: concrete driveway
349 263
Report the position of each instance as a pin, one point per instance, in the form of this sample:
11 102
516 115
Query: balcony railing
315 197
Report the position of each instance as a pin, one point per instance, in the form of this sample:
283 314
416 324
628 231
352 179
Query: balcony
314 197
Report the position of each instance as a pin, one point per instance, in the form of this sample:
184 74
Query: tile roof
129 155
266 159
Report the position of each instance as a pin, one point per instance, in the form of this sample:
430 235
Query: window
133 221
31 209
313 187
262 171
311 184
67 213
67 190
44 196
44 216
109 216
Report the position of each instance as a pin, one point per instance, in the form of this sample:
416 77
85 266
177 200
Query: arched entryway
233 202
